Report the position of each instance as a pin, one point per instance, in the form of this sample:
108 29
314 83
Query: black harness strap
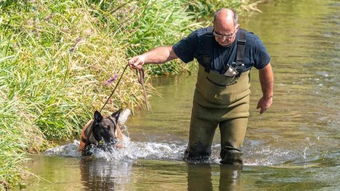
207 59
113 122
241 44
84 140
87 133
238 64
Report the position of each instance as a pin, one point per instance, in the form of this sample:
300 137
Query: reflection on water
294 146
200 177
105 175
99 174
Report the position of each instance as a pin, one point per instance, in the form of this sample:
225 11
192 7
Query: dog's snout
113 140
110 140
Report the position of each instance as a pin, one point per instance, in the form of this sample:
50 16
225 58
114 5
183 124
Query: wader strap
241 44
206 63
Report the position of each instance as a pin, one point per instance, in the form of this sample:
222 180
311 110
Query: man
225 54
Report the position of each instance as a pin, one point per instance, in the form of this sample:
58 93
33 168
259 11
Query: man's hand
264 103
137 62
267 83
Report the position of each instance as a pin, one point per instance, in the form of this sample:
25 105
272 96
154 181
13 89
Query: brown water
294 146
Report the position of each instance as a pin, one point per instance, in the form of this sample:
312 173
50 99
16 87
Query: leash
114 89
140 76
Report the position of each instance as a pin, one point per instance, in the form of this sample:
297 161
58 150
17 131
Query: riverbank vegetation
56 55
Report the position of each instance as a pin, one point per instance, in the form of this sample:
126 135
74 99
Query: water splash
266 156
132 151
68 150
305 153
256 153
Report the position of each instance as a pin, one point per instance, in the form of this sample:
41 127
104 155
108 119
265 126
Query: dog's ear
116 114
97 116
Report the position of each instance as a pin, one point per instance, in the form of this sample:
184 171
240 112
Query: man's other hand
264 103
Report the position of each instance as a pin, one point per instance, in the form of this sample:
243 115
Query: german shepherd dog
101 132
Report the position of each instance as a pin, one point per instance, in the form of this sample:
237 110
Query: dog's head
105 128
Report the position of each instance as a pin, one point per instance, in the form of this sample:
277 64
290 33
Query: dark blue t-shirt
202 45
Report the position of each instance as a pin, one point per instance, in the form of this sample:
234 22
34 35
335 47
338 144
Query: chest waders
219 101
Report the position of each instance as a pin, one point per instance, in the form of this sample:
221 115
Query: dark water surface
294 146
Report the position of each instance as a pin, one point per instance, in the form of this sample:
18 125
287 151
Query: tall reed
54 59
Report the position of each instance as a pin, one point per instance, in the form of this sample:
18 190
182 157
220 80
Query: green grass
18 134
55 56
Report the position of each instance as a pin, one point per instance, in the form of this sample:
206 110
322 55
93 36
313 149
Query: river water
295 145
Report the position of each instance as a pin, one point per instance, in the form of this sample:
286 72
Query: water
294 146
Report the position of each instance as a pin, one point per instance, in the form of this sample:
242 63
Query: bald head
226 16
225 26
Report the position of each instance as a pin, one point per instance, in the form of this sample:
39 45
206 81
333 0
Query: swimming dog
101 132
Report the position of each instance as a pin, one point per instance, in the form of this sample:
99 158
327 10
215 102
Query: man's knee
231 155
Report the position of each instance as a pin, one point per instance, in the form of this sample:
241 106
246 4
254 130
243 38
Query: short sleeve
261 57
185 49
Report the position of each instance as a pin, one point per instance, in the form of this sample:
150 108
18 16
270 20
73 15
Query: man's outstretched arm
158 55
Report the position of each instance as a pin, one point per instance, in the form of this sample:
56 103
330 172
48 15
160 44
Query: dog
101 132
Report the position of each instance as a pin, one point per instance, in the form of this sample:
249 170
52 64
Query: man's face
225 34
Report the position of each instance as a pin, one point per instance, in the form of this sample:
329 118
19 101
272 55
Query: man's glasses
228 36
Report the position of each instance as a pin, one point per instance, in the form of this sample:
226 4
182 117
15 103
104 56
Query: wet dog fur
100 132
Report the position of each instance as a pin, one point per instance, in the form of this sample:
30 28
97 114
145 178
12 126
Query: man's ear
116 114
97 116
237 26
